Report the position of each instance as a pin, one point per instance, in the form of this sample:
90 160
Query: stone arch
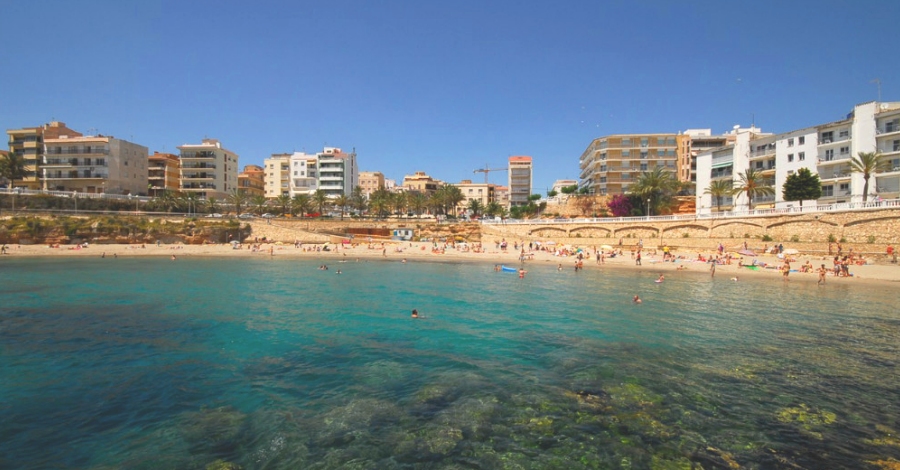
869 220
803 221
592 231
736 228
691 229
637 231
548 232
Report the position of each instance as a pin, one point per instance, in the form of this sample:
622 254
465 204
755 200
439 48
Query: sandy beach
428 252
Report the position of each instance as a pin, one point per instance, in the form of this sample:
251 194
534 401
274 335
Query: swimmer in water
661 278
636 300
415 313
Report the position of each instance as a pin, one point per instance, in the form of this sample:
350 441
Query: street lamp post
648 207
75 198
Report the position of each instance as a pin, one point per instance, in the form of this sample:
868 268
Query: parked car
214 216
268 216
245 216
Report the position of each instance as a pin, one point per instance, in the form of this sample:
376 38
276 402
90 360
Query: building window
643 167
896 146
828 191
790 157
845 150
827 137
844 134
790 142
801 140
801 156
829 155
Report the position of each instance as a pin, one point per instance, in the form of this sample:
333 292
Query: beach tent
791 251
605 247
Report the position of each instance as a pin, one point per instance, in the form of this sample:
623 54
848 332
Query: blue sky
441 87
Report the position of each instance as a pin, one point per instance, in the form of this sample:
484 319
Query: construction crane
486 170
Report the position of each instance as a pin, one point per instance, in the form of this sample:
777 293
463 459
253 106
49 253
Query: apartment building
520 179
338 172
824 149
163 173
208 169
692 142
251 181
28 143
94 164
612 163
277 176
422 183
304 177
371 181
481 192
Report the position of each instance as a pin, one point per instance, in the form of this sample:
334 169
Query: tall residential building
163 173
422 183
520 174
691 143
94 164
612 163
304 173
208 169
277 175
371 181
28 143
251 181
338 173
824 149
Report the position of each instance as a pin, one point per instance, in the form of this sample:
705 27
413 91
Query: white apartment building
338 173
94 164
208 169
331 170
824 149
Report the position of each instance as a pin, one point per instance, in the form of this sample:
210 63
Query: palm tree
658 185
320 197
12 167
283 201
868 164
476 207
341 202
719 189
301 203
378 202
398 203
754 184
211 205
166 201
259 202
449 197
358 200
238 199
417 201
493 209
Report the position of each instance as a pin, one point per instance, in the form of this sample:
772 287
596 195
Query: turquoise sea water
202 363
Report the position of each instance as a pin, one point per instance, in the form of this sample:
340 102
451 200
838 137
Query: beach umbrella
605 247
235 242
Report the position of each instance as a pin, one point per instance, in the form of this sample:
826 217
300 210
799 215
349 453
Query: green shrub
831 238
685 235
843 240
795 238
746 235
871 239
766 238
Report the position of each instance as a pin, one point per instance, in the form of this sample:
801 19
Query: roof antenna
877 82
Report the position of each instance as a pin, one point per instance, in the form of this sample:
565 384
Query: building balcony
198 186
55 176
826 141
199 177
887 130
201 166
77 151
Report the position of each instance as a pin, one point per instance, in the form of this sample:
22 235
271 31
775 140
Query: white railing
69 194
838 207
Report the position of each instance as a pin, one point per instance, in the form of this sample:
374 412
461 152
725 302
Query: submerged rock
213 428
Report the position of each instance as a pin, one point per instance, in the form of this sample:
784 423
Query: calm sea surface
211 363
